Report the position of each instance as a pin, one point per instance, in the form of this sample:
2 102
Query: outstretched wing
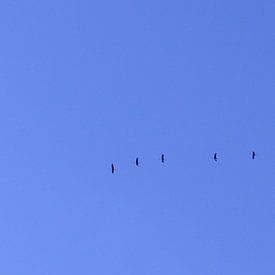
253 155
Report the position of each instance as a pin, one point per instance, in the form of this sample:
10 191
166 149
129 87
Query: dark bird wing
253 155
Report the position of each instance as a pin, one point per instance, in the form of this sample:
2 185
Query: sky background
84 84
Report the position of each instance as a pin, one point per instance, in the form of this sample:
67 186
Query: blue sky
87 83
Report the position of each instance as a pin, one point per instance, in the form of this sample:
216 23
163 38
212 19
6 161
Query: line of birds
215 157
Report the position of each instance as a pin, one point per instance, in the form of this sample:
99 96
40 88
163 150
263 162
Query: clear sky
87 83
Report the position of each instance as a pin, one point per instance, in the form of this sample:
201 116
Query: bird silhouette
113 168
162 158
253 154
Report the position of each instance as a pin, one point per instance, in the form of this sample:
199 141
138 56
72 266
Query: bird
253 154
162 158
113 168
215 157
137 162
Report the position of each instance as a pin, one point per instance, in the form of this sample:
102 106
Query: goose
113 168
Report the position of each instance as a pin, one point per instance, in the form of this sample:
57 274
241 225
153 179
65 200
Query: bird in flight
253 154
137 162
215 157
113 168
162 158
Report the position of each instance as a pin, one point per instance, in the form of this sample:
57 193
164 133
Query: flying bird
137 162
215 157
162 158
253 154
113 168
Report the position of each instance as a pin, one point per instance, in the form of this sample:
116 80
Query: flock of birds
215 157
